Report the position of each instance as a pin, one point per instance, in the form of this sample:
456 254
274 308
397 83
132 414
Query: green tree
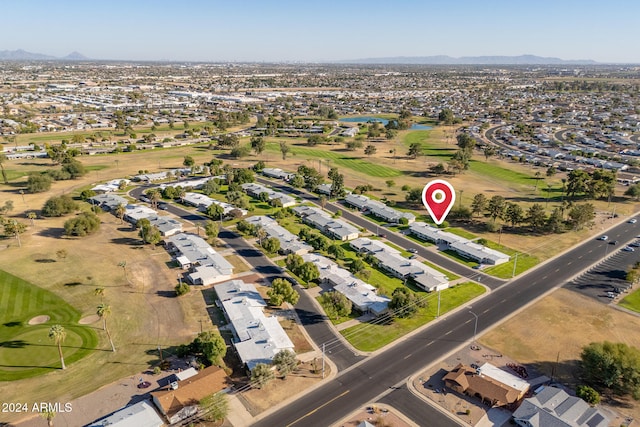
581 215
308 272
466 143
74 168
210 347
446 116
271 245
285 361
15 229
336 304
58 335
415 150
211 187
496 207
103 311
293 262
612 366
370 149
633 191
211 229
555 223
214 407
284 149
536 216
258 144
404 302
479 204
261 375
357 265
147 232
38 183
215 211
390 183
188 162
337 183
3 159
337 251
488 151
588 394
282 291
182 288
578 182
82 225
514 214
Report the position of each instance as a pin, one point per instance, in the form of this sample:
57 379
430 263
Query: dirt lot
548 337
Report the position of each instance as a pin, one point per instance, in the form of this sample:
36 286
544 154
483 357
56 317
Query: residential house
193 253
257 338
179 403
378 209
254 190
289 242
461 245
202 202
110 186
108 202
496 389
390 260
362 295
335 228
553 407
141 414
276 173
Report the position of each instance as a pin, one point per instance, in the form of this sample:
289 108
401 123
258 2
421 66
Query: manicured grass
27 350
449 274
495 172
505 271
631 301
455 256
372 336
341 160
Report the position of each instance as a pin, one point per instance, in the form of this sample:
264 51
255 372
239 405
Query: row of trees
284 361
306 270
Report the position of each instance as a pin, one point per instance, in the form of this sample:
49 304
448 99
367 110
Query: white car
633 221
628 249
605 237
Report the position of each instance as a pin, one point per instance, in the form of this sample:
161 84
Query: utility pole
323 360
438 314
475 326
515 263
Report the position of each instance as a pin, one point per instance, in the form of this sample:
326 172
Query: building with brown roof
467 380
182 402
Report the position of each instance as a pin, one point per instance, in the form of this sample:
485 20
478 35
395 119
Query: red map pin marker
438 196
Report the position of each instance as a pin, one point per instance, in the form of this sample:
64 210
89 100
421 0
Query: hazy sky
310 30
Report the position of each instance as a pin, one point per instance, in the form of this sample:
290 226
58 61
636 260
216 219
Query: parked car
412 250
613 242
633 221
628 249
382 235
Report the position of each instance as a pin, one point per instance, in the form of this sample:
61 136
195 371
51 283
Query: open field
27 350
144 314
631 301
371 337
549 336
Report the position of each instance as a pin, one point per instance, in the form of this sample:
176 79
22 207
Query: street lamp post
475 326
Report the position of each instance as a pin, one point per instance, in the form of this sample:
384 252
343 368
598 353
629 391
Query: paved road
396 238
377 374
415 409
315 323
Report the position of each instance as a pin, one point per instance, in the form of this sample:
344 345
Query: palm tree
32 216
103 311
3 158
99 292
58 335
323 200
49 416
120 211
261 233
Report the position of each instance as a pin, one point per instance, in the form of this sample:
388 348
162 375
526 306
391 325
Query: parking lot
606 281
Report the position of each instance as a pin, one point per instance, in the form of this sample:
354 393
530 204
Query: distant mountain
469 60
23 55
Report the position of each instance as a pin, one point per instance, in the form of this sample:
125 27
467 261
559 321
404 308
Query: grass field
631 301
371 337
337 159
27 350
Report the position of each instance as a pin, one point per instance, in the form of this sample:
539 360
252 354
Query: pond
383 122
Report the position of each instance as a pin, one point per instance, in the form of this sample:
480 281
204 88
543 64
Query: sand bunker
89 319
39 319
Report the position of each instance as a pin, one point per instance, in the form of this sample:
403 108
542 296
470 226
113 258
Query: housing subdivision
362 295
462 246
392 261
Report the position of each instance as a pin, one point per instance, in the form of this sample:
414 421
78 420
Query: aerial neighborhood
248 244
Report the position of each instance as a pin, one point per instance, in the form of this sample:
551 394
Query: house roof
141 414
553 407
489 388
190 391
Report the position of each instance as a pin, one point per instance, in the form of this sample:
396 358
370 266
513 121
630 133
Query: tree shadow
167 294
127 241
74 284
13 344
12 324
310 318
56 232
45 260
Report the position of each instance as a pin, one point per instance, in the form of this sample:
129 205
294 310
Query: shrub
182 288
